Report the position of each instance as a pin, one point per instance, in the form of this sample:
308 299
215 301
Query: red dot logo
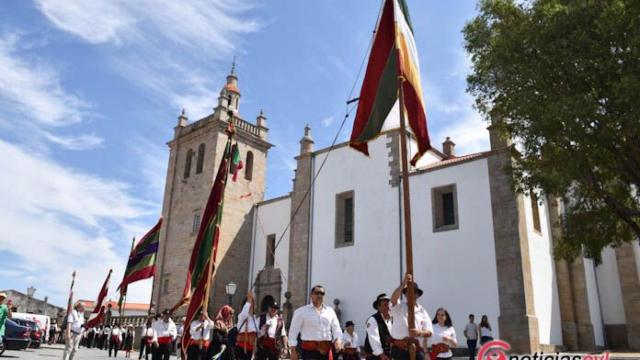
494 350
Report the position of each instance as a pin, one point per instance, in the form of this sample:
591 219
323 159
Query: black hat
166 312
380 297
349 323
274 305
416 288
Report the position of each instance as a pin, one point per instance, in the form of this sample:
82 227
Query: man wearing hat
200 331
377 344
164 332
403 339
5 313
350 341
317 325
271 334
73 332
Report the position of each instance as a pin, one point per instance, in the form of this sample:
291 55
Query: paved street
55 351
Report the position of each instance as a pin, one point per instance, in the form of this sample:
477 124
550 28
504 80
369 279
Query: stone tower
195 153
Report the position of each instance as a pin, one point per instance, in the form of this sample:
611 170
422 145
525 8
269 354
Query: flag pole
411 296
124 297
70 301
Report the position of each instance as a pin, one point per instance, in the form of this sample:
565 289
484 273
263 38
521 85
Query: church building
479 247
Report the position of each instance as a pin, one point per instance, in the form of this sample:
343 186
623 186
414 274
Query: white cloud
80 142
326 122
140 33
153 160
55 220
33 88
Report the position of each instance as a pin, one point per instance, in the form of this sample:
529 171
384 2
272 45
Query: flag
142 260
236 163
99 308
203 256
393 54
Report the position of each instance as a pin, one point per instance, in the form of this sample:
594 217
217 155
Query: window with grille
444 205
344 219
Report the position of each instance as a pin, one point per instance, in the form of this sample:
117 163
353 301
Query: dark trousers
114 345
162 352
485 339
399 354
264 353
144 348
241 354
313 355
194 352
471 344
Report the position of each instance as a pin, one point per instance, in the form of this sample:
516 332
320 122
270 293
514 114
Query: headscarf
225 316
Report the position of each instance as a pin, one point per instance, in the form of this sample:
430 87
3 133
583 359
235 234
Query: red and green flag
203 256
393 54
236 162
142 260
98 307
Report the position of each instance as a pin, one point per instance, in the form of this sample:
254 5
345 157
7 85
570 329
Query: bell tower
194 155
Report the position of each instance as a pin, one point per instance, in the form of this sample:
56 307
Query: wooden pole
70 300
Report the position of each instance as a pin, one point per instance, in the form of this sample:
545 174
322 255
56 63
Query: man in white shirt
317 325
115 339
200 331
350 341
164 332
272 331
471 333
73 332
377 344
403 338
247 330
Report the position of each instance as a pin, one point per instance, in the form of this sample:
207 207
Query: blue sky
90 92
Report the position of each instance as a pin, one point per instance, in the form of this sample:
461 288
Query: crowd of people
314 334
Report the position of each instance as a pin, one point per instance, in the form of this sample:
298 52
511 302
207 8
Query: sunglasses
321 293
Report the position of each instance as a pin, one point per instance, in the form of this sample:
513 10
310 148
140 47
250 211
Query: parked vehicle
17 337
42 321
36 334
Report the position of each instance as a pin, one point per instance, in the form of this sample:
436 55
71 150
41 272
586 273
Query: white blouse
438 333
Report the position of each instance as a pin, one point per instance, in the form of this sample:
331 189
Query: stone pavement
55 352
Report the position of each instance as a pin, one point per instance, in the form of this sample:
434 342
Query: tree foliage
562 77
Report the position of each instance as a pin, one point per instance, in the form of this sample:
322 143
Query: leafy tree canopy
562 77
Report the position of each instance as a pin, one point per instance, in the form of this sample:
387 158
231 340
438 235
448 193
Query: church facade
479 247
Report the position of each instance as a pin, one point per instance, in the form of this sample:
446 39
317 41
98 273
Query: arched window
248 171
200 162
187 165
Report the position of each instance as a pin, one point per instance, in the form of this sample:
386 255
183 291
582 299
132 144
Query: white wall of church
594 301
609 286
272 218
545 288
457 268
355 274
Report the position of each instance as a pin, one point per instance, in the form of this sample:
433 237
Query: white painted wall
457 268
594 301
543 275
609 288
272 218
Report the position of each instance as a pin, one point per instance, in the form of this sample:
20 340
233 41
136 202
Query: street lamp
231 290
30 291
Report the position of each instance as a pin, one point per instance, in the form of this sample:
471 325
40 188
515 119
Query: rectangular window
444 206
535 211
197 218
344 219
165 284
271 247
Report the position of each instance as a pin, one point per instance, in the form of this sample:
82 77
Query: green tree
562 77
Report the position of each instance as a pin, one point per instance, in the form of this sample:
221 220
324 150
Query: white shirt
75 322
148 332
116 332
180 330
247 322
472 331
436 338
350 341
200 333
106 331
164 329
485 331
400 328
271 325
314 325
374 334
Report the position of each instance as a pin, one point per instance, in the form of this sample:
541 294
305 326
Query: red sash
246 340
165 340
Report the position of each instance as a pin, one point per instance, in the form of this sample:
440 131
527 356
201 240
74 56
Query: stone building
479 247
195 152
26 304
